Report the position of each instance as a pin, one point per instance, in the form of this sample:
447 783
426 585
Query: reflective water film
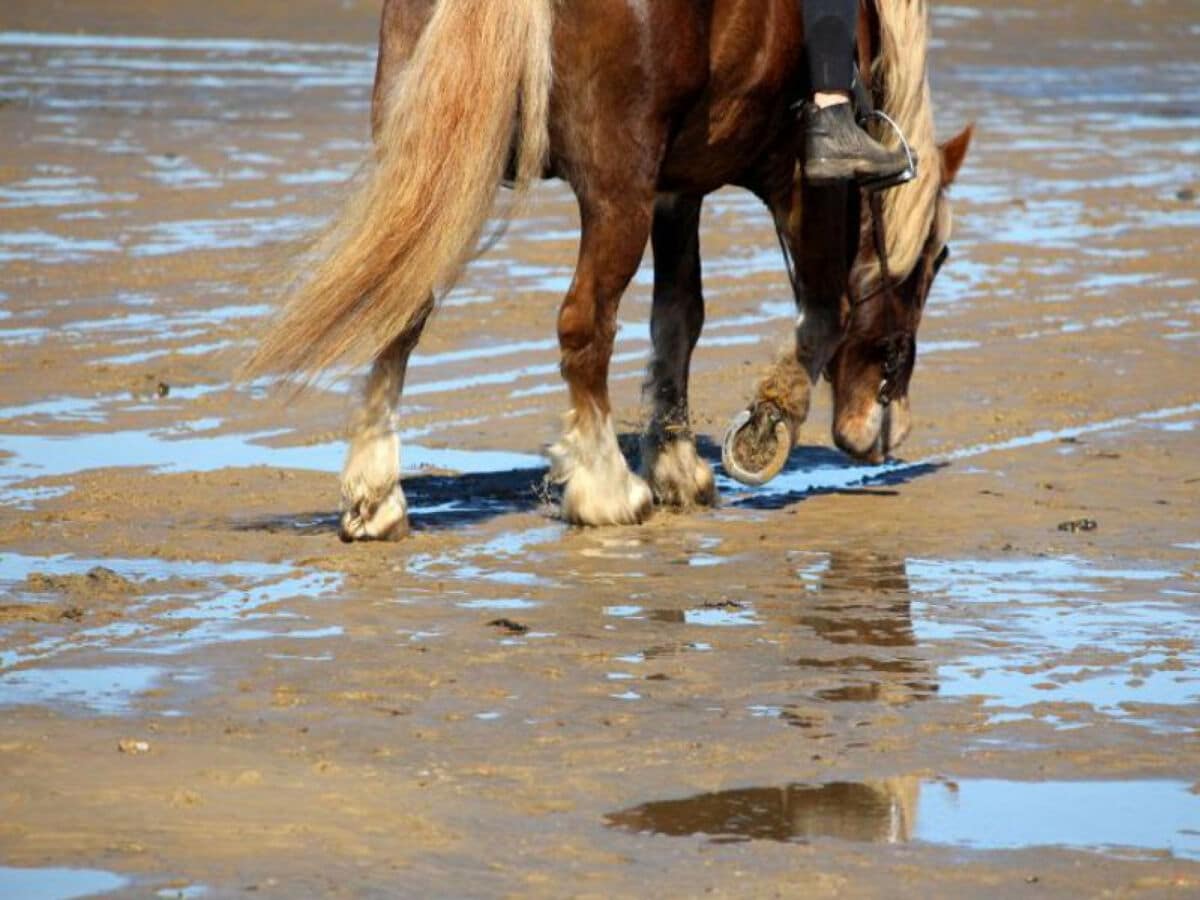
1124 818
56 884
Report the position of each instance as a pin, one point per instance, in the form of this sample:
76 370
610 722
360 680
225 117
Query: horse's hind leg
598 488
373 503
676 473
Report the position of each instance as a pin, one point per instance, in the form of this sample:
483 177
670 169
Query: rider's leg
836 149
829 30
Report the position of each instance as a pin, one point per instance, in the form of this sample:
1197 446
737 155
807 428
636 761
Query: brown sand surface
855 682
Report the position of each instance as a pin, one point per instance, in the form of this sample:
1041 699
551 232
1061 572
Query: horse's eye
941 259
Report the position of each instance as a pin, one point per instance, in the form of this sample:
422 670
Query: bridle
899 346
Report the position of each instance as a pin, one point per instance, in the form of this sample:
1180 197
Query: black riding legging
830 27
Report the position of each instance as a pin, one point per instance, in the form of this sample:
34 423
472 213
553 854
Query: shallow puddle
56 884
1063 641
1117 817
130 609
16 567
1120 641
716 616
37 456
107 690
506 558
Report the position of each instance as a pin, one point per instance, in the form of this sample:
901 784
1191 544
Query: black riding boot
835 148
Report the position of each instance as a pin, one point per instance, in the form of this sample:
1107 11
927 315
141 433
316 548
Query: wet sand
857 681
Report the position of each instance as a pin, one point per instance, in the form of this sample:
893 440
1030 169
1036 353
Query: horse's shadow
435 502
813 471
441 502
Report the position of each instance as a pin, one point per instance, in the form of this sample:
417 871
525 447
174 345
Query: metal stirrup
911 172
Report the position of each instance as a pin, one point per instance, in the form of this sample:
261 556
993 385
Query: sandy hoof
384 521
598 488
373 503
677 475
756 446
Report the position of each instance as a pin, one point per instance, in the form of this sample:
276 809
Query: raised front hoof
678 477
625 501
386 521
757 445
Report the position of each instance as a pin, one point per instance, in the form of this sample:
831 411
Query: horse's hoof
756 446
677 475
386 522
585 501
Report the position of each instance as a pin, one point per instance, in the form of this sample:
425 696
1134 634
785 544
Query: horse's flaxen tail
476 89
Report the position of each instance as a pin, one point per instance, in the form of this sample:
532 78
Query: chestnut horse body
649 107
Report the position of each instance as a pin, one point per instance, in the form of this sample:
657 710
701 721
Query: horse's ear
954 151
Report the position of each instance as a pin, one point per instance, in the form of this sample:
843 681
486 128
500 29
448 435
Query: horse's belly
719 145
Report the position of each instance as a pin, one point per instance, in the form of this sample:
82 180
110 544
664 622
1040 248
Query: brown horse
643 108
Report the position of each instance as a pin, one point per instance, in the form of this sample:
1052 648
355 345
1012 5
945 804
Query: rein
899 345
875 203
879 236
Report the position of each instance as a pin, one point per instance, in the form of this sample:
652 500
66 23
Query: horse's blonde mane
900 76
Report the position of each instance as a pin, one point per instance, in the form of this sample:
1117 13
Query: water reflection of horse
857 602
880 811
643 108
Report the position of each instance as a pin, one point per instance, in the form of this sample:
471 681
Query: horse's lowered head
871 369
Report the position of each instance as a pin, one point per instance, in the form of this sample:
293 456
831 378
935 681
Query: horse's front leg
760 438
598 488
822 243
373 503
676 473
